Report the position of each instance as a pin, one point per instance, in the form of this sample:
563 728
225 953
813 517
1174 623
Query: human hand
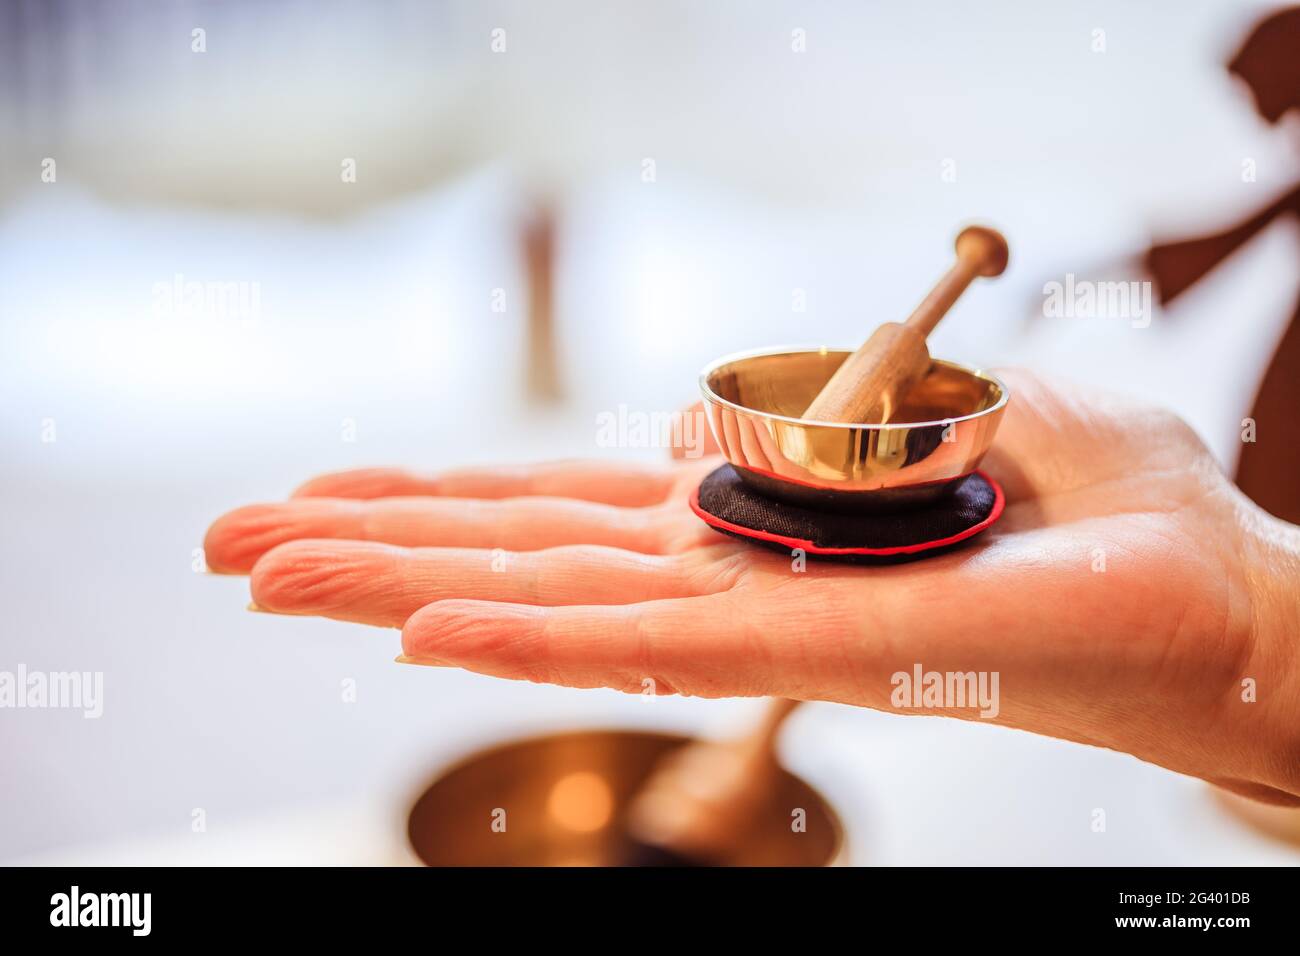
1126 594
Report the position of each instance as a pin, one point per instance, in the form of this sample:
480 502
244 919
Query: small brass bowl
940 433
560 800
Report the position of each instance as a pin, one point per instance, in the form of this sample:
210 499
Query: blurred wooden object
702 799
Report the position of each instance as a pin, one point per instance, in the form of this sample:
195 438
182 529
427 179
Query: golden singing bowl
560 800
937 436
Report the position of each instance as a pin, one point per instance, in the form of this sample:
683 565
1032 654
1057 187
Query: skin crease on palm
1125 595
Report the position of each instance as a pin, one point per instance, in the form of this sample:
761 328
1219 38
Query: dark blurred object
1269 63
702 799
1269 467
1176 266
561 800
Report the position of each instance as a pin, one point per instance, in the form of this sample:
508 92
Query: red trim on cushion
999 502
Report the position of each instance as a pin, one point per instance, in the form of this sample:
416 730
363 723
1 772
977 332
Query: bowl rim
711 396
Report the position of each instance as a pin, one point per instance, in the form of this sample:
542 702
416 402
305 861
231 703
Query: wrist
1269 686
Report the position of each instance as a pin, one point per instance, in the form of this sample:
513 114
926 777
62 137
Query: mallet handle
875 379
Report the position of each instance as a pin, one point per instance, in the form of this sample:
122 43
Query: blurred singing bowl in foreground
938 436
560 800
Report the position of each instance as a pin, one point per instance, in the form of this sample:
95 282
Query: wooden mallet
874 380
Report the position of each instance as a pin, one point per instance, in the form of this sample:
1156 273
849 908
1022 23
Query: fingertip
235 540
312 576
239 538
275 579
465 631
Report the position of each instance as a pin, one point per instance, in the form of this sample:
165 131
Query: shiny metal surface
560 799
939 434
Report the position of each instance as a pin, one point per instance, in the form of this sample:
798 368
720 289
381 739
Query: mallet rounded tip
984 247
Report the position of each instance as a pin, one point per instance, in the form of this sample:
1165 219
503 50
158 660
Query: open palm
1119 599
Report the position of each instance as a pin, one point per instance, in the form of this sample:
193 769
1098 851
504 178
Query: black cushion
729 505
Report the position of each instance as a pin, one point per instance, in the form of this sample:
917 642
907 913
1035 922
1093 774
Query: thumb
692 437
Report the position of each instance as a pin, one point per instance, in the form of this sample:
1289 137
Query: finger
383 584
237 539
1056 440
605 482
692 646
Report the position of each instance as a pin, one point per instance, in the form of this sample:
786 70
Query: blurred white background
777 175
